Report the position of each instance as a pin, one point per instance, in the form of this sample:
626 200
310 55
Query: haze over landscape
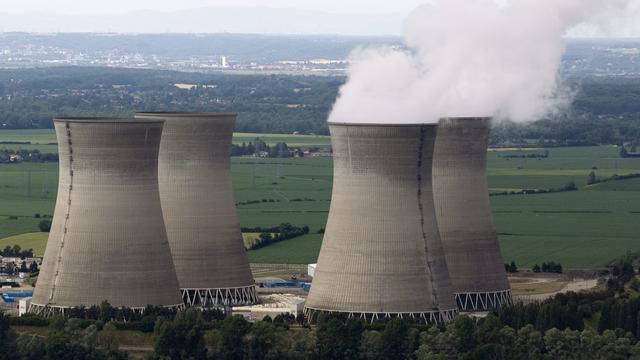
247 16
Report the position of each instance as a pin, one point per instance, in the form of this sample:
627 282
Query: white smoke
470 58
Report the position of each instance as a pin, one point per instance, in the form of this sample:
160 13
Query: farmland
583 228
44 140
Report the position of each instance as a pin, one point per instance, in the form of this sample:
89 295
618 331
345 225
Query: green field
44 140
36 241
582 228
290 139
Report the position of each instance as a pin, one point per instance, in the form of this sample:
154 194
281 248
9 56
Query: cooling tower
381 255
464 215
107 240
199 209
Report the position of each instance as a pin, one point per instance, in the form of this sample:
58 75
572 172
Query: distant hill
258 20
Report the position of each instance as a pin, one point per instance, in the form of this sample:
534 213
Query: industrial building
199 209
464 216
381 256
107 240
272 305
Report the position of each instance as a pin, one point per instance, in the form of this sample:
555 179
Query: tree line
10 156
260 148
275 234
548 267
570 186
553 329
16 251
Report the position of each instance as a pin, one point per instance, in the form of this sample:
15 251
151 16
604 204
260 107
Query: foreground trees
570 326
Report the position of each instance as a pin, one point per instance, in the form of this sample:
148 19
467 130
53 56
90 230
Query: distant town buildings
30 55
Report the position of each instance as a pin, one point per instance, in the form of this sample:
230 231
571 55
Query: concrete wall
381 251
199 207
463 208
107 240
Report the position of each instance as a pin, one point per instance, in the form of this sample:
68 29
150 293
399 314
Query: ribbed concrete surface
198 202
463 208
381 251
107 240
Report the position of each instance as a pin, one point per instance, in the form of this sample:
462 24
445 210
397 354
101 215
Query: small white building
23 306
311 269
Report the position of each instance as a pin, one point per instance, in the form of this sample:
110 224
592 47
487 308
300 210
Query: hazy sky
100 6
626 26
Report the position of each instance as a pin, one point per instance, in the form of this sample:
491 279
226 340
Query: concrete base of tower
237 296
50 310
483 301
426 317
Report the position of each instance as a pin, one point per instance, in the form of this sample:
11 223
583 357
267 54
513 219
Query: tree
370 345
464 328
30 347
44 225
106 311
232 331
260 341
7 338
10 268
107 338
393 339
339 339
182 337
23 267
265 239
536 268
592 179
33 267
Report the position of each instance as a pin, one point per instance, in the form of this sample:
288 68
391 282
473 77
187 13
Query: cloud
470 58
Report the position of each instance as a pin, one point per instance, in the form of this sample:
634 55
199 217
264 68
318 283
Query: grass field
583 228
537 287
36 241
300 250
45 140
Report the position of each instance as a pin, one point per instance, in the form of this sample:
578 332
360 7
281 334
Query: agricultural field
35 241
45 141
584 228
290 139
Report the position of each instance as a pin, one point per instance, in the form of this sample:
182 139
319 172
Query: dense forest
604 111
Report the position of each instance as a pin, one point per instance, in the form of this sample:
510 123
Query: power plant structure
463 211
198 204
381 256
107 240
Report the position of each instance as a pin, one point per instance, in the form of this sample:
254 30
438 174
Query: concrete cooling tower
199 209
464 215
107 240
381 256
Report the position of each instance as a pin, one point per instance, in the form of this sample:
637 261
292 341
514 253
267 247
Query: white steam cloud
470 58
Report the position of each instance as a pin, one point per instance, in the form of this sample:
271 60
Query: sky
116 6
628 26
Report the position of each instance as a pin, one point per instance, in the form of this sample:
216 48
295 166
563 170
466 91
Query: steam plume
469 58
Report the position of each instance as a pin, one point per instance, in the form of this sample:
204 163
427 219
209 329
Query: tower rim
383 124
151 114
108 120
